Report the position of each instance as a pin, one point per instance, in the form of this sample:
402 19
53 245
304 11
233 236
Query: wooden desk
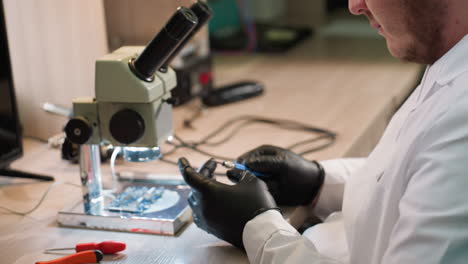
349 86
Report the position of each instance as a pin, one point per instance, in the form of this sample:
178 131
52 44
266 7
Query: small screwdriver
240 166
106 247
90 256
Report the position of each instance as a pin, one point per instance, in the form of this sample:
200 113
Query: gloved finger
264 150
267 150
196 195
274 189
234 175
196 213
195 179
207 169
194 199
197 221
192 178
247 178
265 164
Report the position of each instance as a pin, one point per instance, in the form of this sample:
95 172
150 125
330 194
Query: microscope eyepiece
181 23
157 52
203 13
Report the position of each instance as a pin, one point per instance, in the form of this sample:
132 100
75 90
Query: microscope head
133 88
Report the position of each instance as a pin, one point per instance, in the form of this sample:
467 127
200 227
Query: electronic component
239 166
136 199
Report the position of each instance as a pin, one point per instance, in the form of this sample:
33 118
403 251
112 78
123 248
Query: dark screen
10 136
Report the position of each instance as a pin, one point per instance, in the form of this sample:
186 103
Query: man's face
412 28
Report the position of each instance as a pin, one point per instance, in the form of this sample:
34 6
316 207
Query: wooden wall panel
53 46
136 22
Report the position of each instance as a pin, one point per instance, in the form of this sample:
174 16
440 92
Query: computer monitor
10 128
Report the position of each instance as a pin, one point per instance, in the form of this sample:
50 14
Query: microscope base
167 221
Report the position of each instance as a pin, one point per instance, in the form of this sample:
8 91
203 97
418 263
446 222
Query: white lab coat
406 203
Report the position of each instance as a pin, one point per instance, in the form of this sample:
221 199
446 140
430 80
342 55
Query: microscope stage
167 216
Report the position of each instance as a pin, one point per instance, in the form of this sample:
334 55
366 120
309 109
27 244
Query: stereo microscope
132 111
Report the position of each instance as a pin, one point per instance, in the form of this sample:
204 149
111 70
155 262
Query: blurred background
54 44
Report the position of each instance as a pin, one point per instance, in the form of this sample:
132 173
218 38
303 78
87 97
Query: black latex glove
291 179
223 210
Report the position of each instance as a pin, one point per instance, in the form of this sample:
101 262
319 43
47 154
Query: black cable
237 123
303 142
37 138
41 200
227 137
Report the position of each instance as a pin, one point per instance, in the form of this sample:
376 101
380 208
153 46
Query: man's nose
357 7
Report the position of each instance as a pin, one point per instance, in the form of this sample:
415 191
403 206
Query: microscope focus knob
78 130
127 126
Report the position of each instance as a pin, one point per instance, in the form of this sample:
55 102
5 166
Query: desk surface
349 86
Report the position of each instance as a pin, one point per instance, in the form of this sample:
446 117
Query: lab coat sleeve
268 238
337 172
432 226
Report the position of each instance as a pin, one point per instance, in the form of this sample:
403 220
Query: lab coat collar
451 64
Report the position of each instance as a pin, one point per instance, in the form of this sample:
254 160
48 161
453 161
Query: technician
406 203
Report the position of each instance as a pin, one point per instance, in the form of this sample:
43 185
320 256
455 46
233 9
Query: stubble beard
426 23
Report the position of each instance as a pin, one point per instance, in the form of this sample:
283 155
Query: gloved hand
223 210
291 179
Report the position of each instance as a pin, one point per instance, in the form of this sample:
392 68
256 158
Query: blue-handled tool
240 166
